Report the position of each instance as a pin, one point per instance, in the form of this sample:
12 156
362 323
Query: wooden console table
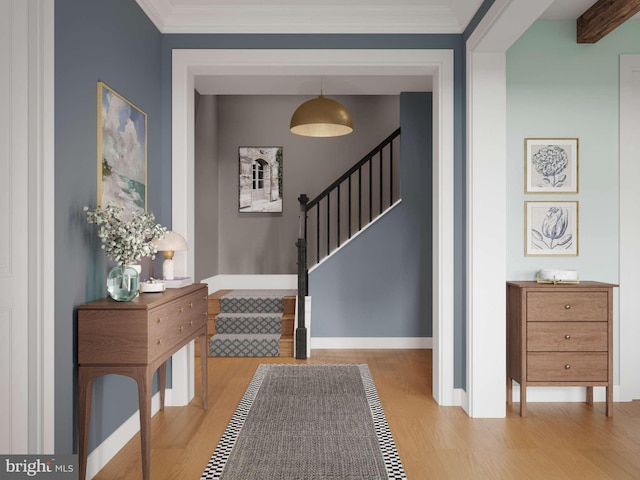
135 339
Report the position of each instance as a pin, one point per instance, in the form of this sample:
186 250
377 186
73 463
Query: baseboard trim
104 452
323 343
257 282
460 399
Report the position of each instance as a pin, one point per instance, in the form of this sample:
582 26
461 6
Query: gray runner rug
307 422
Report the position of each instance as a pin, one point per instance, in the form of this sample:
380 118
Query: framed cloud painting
551 165
122 152
551 228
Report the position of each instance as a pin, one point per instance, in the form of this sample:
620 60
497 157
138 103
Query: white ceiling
322 16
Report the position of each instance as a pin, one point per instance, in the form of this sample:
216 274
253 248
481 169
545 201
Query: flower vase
123 282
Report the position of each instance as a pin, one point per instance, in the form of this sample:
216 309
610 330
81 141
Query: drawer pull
159 342
567 366
204 314
159 319
181 309
204 298
567 307
181 328
191 322
190 304
568 337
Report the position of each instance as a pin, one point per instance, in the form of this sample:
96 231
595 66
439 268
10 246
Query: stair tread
250 322
242 336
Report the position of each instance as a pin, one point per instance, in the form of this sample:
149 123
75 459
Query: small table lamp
168 245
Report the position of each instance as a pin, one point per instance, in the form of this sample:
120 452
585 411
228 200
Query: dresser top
560 286
143 301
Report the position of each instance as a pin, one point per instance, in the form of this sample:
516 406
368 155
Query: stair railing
335 221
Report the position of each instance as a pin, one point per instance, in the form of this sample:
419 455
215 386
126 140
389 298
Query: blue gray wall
114 42
379 285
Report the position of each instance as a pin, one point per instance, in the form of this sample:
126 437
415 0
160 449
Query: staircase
251 323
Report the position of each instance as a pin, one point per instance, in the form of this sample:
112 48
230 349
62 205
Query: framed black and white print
260 179
551 228
551 165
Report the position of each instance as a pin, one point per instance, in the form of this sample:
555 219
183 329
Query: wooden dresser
560 335
135 339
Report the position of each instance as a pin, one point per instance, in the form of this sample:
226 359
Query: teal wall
557 88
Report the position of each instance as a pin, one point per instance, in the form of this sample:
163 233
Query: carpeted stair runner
249 324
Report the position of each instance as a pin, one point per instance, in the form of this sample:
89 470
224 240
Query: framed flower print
551 228
551 165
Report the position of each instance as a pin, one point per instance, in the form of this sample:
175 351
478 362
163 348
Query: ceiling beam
603 17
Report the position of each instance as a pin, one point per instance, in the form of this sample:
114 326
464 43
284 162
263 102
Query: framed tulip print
551 165
551 228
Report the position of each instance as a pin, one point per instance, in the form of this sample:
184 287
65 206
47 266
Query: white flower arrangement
126 241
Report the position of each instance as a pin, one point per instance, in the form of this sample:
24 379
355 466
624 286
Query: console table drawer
567 307
567 367
567 336
173 323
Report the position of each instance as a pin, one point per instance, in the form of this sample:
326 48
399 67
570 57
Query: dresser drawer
567 367
567 336
567 307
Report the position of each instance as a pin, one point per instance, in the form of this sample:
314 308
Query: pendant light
321 117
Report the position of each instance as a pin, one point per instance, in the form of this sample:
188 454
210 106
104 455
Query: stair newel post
301 330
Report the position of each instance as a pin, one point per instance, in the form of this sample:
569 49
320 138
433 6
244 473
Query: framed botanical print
122 152
551 165
551 228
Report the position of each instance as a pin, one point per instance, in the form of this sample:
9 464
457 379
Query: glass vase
122 283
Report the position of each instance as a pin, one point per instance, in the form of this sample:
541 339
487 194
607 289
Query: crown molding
157 11
230 19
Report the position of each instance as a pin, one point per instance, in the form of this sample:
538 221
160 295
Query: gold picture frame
122 152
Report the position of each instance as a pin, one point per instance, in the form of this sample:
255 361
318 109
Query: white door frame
436 63
629 227
30 49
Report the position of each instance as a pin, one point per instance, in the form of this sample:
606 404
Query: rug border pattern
390 456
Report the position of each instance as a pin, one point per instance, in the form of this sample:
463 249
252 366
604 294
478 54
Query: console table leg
162 382
204 356
143 378
85 392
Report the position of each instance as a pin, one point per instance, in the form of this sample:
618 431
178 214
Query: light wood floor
556 441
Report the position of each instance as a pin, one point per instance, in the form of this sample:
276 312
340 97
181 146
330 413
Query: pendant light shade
321 117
